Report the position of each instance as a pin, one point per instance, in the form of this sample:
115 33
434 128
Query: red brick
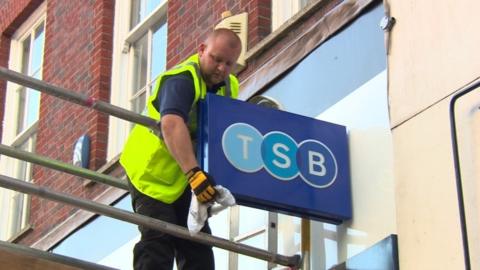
207 14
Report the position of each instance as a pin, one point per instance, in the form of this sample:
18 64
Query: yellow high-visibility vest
145 157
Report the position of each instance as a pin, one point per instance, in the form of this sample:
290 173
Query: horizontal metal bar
175 230
77 98
248 235
61 166
47 256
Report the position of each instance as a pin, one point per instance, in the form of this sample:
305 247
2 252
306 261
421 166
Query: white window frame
138 32
283 10
145 27
123 67
10 166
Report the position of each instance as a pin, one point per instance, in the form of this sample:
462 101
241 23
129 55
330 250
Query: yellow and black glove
202 185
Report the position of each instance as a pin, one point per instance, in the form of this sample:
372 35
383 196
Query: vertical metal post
272 235
305 244
234 231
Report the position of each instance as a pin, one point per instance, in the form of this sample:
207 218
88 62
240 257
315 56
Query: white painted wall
434 52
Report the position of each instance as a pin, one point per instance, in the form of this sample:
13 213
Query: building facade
390 84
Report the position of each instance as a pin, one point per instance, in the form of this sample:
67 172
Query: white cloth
198 212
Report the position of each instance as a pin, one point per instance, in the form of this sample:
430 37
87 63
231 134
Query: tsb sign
280 155
276 160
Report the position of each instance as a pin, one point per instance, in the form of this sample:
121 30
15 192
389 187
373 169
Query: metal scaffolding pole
77 98
61 166
175 230
13 250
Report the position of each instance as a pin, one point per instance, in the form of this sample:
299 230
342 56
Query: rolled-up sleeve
176 96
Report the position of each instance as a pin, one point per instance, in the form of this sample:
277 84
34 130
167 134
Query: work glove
202 185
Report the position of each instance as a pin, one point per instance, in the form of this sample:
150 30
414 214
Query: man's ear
201 49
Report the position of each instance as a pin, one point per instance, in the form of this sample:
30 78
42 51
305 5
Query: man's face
217 59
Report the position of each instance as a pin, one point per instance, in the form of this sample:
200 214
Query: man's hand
202 185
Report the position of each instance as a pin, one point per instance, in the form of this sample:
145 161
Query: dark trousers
156 250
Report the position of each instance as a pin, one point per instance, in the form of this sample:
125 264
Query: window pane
23 168
135 17
282 10
150 5
19 201
29 99
251 219
138 103
32 108
141 9
21 109
159 51
26 55
37 52
28 108
289 234
18 198
16 217
140 54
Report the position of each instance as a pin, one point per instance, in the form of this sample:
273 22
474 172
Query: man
161 169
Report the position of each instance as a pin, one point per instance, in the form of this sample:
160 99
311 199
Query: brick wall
190 21
77 56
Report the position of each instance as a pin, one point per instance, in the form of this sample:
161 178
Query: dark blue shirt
177 95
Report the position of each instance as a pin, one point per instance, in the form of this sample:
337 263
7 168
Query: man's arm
177 138
175 103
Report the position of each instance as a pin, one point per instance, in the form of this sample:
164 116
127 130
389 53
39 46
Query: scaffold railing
293 261
77 98
62 166
172 229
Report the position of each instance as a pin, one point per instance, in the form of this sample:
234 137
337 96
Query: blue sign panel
276 160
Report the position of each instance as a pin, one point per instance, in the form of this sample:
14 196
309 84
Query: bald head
218 55
231 38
